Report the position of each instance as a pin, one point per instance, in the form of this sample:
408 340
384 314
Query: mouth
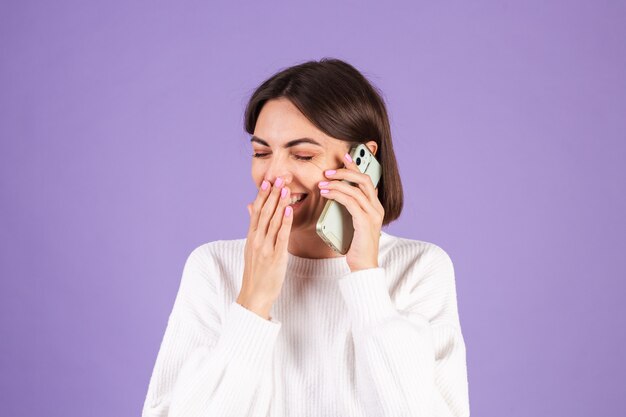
297 199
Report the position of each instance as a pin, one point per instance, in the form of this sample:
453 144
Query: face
302 165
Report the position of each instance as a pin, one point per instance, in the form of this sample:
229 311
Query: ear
372 146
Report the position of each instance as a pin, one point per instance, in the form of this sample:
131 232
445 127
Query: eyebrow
288 144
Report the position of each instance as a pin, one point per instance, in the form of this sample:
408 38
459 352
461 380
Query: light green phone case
335 223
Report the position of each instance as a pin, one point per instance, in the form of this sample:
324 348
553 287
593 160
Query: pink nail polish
347 157
264 185
278 183
324 191
283 193
324 183
288 211
330 172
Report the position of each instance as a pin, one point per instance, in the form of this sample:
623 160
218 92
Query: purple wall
122 149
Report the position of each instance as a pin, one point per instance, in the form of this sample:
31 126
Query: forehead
280 122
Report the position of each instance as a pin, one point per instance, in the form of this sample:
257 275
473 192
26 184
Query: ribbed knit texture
384 341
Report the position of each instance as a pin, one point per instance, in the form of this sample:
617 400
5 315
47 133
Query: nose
278 168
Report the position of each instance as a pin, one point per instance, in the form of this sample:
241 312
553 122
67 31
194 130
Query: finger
258 203
277 218
352 174
270 206
348 202
355 192
282 238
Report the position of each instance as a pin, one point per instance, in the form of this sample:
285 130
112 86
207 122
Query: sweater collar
321 268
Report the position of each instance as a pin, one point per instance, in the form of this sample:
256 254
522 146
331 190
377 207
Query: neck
307 244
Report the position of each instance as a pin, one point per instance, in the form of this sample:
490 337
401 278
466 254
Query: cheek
257 173
308 176
256 169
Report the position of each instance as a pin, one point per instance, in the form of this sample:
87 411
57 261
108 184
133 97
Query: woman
277 324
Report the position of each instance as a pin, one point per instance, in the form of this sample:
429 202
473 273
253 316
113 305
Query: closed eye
299 157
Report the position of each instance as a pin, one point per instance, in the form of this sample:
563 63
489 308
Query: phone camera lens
358 161
362 152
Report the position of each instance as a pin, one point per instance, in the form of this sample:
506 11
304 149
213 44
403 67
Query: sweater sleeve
412 361
211 362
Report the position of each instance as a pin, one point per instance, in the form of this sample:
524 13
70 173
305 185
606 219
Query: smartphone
335 223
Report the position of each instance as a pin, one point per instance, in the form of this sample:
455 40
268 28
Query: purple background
122 149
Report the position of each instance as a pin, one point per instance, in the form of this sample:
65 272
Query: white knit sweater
384 341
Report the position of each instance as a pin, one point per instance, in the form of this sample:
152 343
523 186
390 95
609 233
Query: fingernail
324 191
283 193
288 211
330 172
278 183
324 183
348 157
264 185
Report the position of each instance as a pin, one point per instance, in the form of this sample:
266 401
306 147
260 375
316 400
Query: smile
295 199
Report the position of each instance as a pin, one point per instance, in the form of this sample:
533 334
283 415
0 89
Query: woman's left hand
366 210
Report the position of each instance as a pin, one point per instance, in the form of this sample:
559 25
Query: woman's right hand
265 252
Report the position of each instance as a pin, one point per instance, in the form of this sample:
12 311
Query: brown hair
336 98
